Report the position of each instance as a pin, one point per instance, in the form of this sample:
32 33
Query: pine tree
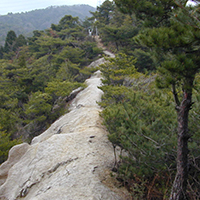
177 47
20 41
51 60
104 12
10 43
5 144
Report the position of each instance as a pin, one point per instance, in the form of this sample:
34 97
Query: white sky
15 6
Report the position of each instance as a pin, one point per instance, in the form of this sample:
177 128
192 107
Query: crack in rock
26 187
54 168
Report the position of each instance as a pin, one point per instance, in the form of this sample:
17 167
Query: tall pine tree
10 43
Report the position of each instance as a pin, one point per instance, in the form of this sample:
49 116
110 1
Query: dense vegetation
36 76
142 121
151 95
25 23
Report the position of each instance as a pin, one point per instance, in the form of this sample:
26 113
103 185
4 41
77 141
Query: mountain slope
25 23
71 160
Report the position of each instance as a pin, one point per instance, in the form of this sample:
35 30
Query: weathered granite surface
72 160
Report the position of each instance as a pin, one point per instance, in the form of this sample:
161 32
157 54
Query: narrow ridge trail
72 160
100 45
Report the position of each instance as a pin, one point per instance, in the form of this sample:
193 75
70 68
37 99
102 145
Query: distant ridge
40 19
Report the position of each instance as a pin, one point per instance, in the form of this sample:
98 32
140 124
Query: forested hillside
37 75
41 19
151 89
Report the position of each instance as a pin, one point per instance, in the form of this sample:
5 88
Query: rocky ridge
71 160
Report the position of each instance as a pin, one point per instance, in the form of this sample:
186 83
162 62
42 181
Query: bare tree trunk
180 183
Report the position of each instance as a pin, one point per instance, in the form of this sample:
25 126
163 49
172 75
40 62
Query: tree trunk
180 183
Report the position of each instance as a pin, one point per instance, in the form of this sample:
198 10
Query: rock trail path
71 160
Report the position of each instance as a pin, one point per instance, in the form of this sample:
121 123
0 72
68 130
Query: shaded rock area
72 160
73 94
96 63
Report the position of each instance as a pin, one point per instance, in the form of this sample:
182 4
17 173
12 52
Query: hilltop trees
118 31
152 13
104 12
36 76
26 22
10 43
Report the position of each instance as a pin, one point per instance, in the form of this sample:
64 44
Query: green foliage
194 143
61 89
145 60
20 41
166 37
10 43
5 144
141 127
90 49
142 122
116 69
38 106
119 35
72 54
153 13
37 77
49 45
103 12
66 22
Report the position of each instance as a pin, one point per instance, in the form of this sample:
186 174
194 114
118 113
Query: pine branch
149 139
134 144
183 7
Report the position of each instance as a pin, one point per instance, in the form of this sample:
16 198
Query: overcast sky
14 6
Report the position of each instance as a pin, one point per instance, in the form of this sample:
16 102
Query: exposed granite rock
100 61
15 155
71 160
108 53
